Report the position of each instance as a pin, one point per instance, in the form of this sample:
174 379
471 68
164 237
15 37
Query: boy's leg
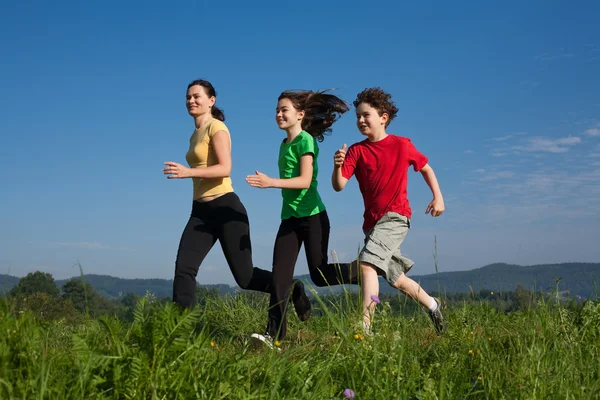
285 254
314 233
369 288
413 290
382 242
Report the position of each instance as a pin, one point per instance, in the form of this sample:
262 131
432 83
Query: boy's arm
337 180
303 181
436 206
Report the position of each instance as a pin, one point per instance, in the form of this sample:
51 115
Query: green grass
546 352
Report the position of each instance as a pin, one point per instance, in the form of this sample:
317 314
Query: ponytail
217 113
321 110
210 91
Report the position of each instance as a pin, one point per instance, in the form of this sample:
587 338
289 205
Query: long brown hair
321 110
210 91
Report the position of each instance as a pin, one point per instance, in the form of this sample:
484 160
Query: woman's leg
196 241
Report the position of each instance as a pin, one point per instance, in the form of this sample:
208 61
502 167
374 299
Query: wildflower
349 393
375 299
491 292
277 343
356 336
489 339
471 352
480 378
212 343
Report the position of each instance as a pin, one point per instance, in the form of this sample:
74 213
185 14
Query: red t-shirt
381 169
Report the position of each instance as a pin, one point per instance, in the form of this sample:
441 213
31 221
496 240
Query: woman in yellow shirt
217 212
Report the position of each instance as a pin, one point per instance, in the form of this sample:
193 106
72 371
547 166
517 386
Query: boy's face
368 120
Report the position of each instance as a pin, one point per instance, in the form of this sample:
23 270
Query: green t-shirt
299 202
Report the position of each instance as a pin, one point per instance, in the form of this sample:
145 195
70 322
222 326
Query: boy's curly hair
379 100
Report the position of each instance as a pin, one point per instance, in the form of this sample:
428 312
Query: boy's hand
435 208
340 155
259 180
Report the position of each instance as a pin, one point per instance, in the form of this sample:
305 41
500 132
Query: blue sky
504 100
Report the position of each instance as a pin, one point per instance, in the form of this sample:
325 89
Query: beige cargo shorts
382 247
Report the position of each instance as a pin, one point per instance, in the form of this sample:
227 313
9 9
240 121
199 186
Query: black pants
313 232
224 219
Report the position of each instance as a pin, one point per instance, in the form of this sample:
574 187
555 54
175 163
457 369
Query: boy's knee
368 268
402 282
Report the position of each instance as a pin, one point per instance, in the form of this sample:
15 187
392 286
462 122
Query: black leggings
224 219
313 232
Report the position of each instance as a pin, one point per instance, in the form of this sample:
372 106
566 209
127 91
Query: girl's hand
176 171
259 180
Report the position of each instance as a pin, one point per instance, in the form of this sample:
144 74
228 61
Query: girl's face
197 102
286 115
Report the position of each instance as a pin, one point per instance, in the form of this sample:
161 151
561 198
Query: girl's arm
303 181
222 169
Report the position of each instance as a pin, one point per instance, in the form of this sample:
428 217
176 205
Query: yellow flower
212 343
471 352
480 378
277 343
489 339
491 292
356 336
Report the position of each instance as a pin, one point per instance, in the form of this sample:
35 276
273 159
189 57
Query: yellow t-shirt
202 154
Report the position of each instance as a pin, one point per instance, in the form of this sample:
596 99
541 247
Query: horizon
505 102
307 275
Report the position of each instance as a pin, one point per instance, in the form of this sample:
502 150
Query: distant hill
581 279
111 286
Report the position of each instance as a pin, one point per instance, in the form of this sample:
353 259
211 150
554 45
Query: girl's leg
314 233
285 254
234 236
196 241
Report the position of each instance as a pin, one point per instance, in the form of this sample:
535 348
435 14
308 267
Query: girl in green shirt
306 117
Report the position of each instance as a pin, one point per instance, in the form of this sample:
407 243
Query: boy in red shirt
380 164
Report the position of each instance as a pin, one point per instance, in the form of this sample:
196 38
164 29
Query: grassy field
546 352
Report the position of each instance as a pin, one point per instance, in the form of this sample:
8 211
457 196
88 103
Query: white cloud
504 138
595 131
497 153
492 176
554 56
541 144
468 151
480 170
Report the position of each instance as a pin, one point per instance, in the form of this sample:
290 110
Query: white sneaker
367 329
265 339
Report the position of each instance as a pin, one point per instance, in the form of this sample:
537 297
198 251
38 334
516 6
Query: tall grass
550 351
